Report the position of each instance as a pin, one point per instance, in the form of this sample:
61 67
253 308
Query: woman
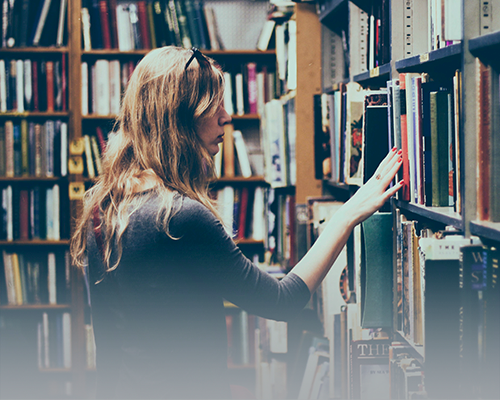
160 261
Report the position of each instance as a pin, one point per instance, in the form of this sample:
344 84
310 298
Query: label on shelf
76 190
75 165
424 57
374 72
76 147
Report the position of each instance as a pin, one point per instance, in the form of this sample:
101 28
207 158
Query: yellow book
17 279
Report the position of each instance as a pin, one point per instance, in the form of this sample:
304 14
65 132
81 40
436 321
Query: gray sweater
159 318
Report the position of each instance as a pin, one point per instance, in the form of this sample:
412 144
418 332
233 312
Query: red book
105 29
23 214
243 213
64 82
34 84
113 29
100 139
49 65
143 24
483 121
405 192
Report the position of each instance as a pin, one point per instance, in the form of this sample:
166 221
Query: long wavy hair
155 130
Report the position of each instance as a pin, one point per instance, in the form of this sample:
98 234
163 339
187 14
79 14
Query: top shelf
31 50
486 45
332 13
447 58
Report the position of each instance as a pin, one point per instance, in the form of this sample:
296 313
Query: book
353 134
39 27
242 154
104 22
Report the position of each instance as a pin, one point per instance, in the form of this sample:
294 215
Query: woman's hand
374 193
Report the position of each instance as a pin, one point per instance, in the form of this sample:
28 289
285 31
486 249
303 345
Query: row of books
108 24
421 118
247 91
240 154
33 84
54 341
35 278
33 23
456 330
95 146
242 211
32 213
33 149
103 83
369 37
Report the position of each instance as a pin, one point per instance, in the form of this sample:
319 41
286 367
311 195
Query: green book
376 271
439 148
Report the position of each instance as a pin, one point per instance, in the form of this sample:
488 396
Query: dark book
113 28
162 30
16 213
42 85
23 214
18 163
173 23
439 148
442 315
375 124
24 22
34 85
202 24
194 30
50 28
143 24
105 24
376 271
473 285
96 33
491 368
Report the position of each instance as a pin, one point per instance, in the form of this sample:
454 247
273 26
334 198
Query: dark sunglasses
202 60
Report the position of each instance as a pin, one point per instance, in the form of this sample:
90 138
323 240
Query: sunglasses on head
202 60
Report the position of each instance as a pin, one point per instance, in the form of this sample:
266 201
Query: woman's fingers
387 159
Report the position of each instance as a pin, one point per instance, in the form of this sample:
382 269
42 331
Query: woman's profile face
211 130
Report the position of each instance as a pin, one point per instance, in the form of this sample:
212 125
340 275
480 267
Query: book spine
25 171
20 85
143 24
252 87
104 19
404 139
61 27
49 65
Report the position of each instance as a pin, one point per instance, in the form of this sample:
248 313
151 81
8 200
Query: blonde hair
155 130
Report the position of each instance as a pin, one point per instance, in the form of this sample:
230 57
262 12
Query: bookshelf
425 55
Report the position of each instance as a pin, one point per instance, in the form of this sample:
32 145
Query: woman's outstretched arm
369 198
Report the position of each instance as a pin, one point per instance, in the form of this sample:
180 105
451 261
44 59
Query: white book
41 22
88 156
86 38
45 331
20 85
358 35
240 103
242 153
225 205
102 88
453 15
64 148
258 222
125 38
93 89
114 87
228 94
39 337
9 278
292 55
371 48
66 345
56 211
60 26
7 205
28 90
51 268
85 88
281 58
266 34
3 87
